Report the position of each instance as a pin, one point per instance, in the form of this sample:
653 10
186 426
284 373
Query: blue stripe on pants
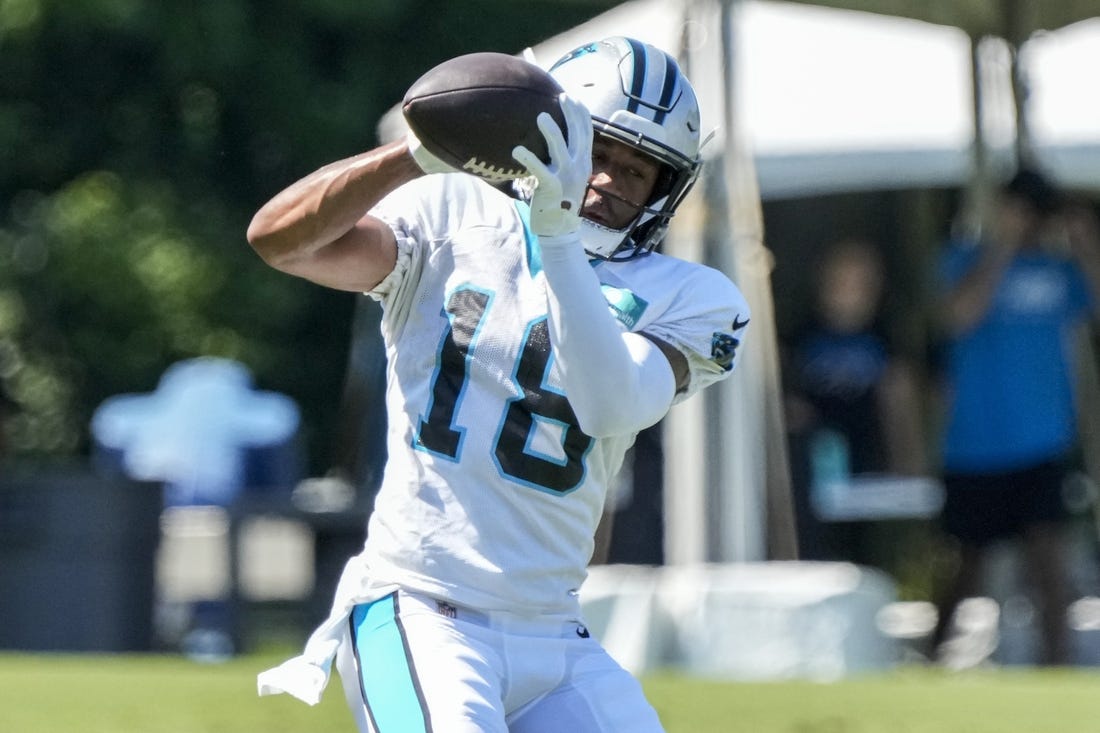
387 678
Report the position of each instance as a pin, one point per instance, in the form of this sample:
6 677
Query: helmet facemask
648 227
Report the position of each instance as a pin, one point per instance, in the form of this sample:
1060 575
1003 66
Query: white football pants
411 664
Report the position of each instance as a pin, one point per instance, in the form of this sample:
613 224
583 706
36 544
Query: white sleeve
706 320
617 382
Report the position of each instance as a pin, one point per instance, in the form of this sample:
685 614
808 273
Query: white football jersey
492 493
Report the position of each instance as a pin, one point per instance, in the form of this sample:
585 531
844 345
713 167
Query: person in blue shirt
1011 308
846 384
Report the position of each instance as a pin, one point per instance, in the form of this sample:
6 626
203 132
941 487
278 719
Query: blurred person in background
1010 308
849 395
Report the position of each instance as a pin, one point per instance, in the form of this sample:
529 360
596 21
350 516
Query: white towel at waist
306 675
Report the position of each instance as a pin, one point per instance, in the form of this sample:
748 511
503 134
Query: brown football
472 110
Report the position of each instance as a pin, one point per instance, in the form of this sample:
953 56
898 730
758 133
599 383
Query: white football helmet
638 96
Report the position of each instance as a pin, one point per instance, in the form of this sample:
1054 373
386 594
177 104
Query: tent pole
1021 95
763 438
979 186
1016 33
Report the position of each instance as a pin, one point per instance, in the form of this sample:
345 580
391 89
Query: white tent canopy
1065 101
841 100
1015 20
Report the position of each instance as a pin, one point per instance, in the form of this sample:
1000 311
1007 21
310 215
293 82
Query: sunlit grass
42 693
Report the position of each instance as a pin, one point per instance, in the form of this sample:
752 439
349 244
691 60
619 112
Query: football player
528 340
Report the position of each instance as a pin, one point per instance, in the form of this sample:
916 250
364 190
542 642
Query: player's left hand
428 162
559 196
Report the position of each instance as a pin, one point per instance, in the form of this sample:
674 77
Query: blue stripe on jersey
637 85
387 678
534 253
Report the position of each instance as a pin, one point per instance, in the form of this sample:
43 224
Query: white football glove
559 195
424 158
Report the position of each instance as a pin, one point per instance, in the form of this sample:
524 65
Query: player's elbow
627 413
615 422
269 243
599 425
260 235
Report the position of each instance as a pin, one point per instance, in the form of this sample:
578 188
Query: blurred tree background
136 140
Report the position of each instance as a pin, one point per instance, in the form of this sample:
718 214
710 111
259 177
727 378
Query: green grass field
168 694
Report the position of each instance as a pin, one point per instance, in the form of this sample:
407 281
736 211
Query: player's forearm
615 385
320 208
